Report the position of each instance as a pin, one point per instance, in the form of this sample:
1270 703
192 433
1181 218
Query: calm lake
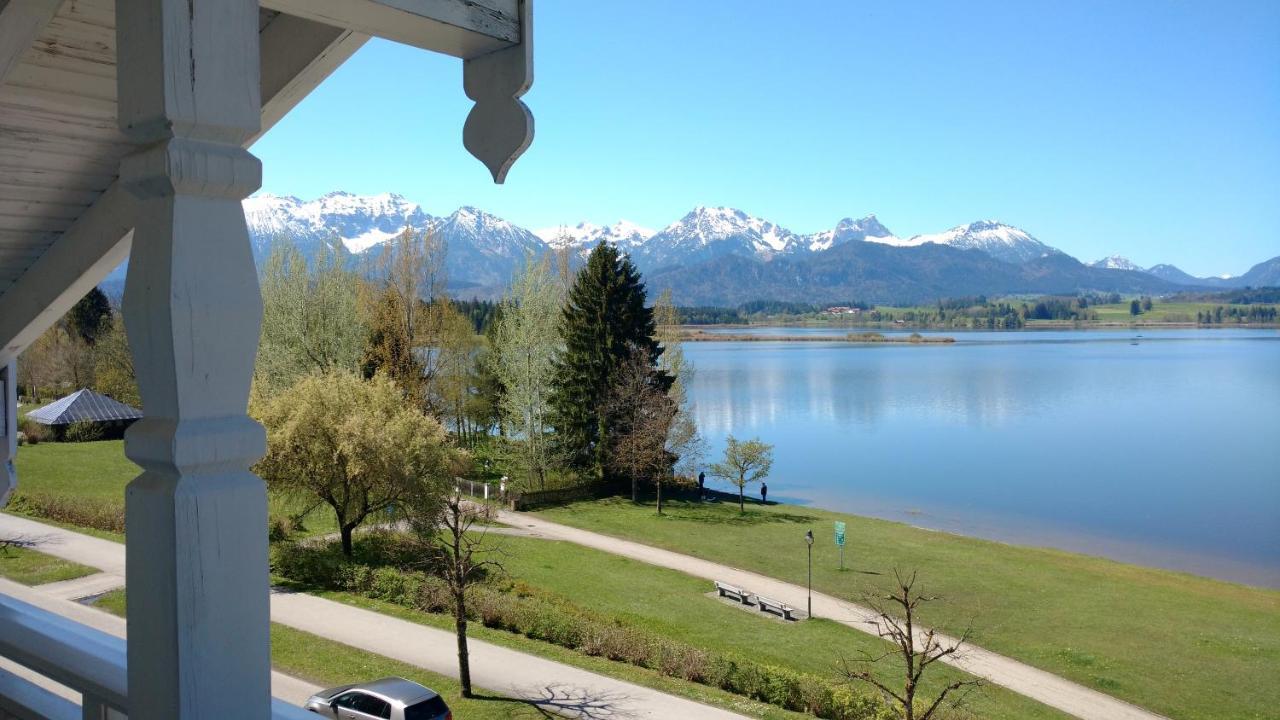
1164 453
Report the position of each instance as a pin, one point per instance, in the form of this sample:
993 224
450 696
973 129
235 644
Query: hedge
519 608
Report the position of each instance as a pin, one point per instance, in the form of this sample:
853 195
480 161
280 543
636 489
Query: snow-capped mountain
482 249
847 230
709 232
584 236
712 250
359 222
489 234
1000 241
1117 262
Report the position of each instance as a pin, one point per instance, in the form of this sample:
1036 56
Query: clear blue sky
1151 129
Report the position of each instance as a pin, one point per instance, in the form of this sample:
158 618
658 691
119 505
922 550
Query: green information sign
840 541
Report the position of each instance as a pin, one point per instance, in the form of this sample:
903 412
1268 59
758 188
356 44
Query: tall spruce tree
603 322
90 316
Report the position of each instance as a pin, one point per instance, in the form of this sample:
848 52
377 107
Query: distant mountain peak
999 240
735 231
866 228
1117 262
585 235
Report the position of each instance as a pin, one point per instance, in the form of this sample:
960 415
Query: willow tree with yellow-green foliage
311 319
356 446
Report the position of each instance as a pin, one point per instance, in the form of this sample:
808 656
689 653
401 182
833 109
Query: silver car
386 699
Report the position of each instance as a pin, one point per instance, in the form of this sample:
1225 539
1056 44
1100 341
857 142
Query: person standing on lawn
764 493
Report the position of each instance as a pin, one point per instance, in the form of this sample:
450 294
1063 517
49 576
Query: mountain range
724 256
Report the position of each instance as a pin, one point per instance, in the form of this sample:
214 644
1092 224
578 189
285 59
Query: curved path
554 687
1052 690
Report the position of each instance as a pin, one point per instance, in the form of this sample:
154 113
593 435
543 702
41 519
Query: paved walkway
558 688
1047 688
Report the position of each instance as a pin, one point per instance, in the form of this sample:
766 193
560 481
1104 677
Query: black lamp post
808 540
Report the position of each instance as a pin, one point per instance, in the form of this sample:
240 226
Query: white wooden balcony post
8 429
197 546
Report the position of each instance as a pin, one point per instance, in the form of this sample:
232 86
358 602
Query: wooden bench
767 605
737 593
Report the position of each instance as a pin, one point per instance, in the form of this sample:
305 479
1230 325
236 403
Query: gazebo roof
83 406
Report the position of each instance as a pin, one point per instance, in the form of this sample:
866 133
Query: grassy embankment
1181 645
684 608
669 603
1184 646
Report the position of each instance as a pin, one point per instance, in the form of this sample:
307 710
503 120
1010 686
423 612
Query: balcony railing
90 662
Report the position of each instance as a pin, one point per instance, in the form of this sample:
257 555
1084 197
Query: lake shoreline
863 337
1032 326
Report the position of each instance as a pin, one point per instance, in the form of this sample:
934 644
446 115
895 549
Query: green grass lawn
31 567
91 470
1184 646
1160 312
99 472
678 606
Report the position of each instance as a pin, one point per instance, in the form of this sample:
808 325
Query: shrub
34 431
84 432
317 565
71 510
280 528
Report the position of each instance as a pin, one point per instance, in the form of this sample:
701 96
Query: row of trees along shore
568 379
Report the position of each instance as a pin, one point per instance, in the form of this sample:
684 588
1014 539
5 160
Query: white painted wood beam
199 643
461 28
96 243
20 23
297 55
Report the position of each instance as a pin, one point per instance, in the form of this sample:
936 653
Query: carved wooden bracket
500 127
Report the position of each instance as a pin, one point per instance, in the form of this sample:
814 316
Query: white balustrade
88 661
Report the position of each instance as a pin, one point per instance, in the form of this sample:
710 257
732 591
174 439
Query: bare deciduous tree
463 556
918 649
644 414
408 305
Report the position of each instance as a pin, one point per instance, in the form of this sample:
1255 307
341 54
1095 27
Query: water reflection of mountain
988 386
1149 445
